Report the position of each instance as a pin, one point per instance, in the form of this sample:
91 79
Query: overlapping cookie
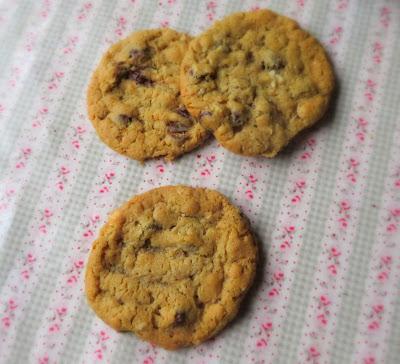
256 80
134 98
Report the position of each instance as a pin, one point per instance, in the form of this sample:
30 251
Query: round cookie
256 80
172 265
134 99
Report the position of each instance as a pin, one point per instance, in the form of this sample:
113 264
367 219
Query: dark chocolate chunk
183 112
249 57
180 318
139 54
122 73
175 127
237 121
205 113
137 76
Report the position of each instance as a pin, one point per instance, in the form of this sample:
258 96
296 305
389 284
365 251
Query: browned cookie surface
256 79
172 265
134 99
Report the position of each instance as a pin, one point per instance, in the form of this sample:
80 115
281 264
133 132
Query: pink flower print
352 177
104 189
296 199
47 213
391 228
369 360
249 194
54 328
324 300
344 206
2 108
343 4
343 222
25 274
254 8
44 360
211 5
395 212
354 162
76 144
6 322
164 23
252 179
78 264
311 142
80 130
30 258
335 252
383 276
262 343
12 305
278 275
205 172
313 351
301 3
267 325
397 183
61 311
60 185
385 16
43 229
273 292
300 184
103 336
322 319
374 325
72 279
88 233
98 354
160 168
360 136
290 229
362 122
387 260
332 269
305 156
148 360
378 308
285 245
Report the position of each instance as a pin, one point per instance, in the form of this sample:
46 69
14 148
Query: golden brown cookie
134 99
172 265
256 80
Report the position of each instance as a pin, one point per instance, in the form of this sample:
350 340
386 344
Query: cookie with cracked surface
256 80
172 265
134 98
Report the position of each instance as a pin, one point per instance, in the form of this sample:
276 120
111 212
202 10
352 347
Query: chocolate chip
139 54
122 73
275 63
175 127
125 119
180 318
183 112
249 57
137 76
122 119
237 121
205 113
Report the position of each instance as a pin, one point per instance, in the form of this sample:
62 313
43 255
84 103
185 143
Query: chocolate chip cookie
172 265
256 80
134 99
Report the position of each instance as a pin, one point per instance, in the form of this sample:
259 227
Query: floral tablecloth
326 210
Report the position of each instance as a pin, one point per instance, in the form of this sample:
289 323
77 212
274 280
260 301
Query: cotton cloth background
326 210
